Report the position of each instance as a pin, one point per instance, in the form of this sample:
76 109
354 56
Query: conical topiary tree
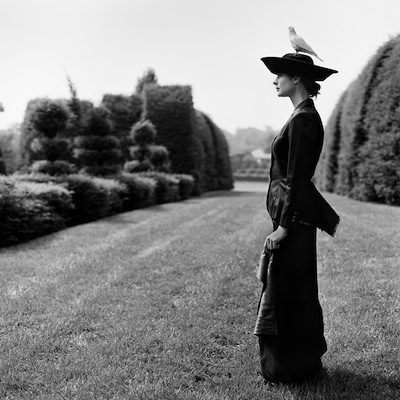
49 120
146 156
97 150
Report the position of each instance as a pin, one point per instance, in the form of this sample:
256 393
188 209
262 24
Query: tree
148 78
49 120
97 150
145 154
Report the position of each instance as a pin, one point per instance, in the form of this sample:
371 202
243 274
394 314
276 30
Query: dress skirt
293 352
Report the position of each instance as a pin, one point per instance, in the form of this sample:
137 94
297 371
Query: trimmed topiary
124 111
97 151
143 133
50 117
138 166
222 164
167 186
186 186
327 169
140 190
369 152
170 109
27 214
58 167
43 132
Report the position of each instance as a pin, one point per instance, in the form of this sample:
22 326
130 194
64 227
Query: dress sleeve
302 137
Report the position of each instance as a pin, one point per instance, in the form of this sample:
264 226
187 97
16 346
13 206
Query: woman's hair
311 86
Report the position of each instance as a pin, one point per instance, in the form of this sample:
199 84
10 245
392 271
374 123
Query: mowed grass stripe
160 304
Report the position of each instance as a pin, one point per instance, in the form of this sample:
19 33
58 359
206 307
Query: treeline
245 140
361 155
78 162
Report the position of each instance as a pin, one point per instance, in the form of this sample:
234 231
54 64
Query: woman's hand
272 242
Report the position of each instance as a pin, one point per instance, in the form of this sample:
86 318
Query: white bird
299 44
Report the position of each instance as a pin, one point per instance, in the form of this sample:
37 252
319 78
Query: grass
160 303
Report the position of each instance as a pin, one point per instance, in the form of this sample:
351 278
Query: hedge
32 205
167 186
170 109
205 135
98 151
368 153
327 169
43 117
124 111
29 210
140 190
222 160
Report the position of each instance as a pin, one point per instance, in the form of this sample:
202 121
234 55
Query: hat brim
279 65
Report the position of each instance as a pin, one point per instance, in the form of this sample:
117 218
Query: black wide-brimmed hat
297 64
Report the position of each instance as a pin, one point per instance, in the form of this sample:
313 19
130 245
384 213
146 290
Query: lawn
160 303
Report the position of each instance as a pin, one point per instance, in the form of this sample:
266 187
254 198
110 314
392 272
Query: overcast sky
213 45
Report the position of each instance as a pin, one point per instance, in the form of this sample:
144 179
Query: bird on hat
299 44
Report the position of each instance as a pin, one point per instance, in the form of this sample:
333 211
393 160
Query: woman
290 323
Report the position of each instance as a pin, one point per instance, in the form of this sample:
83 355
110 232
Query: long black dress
292 349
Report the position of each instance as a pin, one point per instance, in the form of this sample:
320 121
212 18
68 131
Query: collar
305 103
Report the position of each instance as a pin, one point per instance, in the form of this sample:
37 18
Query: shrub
328 165
50 118
124 111
143 133
369 152
159 158
222 161
116 193
55 168
93 198
146 156
97 150
11 148
140 190
170 109
186 186
138 166
353 132
2 164
57 197
45 121
24 215
90 200
167 186
208 174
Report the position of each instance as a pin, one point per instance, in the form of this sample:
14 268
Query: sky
214 46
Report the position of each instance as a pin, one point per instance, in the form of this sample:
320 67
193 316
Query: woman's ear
296 79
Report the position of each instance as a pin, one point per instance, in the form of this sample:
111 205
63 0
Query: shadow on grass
344 384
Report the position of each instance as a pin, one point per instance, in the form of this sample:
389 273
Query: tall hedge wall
188 135
327 169
170 109
222 160
124 111
368 153
204 133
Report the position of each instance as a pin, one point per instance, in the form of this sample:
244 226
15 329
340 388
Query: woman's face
285 85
